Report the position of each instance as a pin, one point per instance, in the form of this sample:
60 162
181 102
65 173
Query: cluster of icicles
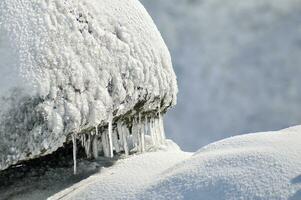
120 137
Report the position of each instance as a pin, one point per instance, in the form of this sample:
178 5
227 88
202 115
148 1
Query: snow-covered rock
78 67
259 166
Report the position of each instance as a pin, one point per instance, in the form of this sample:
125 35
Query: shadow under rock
296 180
297 195
43 177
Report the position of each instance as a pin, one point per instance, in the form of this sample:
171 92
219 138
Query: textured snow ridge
81 67
256 166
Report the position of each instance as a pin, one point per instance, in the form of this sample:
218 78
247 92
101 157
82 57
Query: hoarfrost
88 70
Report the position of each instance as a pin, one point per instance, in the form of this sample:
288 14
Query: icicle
100 145
121 139
95 147
125 142
119 133
74 154
88 146
96 130
146 128
137 135
143 131
105 144
127 135
110 128
84 142
158 130
123 136
115 141
82 138
134 134
151 130
141 135
136 131
158 134
162 128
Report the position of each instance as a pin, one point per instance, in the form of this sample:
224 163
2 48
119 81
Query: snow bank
256 166
259 166
126 177
78 67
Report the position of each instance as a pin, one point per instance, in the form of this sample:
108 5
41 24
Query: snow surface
259 166
68 65
237 63
256 166
128 176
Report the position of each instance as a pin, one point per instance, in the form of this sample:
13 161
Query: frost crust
74 67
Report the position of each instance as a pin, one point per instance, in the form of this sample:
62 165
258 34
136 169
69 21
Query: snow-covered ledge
88 70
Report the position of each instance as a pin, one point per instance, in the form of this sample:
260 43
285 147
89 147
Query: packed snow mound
73 66
256 166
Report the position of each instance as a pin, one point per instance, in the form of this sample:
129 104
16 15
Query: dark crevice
49 174
62 158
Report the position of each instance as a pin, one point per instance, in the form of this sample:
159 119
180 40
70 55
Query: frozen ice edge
120 137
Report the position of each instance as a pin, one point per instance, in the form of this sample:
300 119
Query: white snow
99 72
259 166
256 166
128 176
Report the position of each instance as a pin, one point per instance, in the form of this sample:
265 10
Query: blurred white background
238 64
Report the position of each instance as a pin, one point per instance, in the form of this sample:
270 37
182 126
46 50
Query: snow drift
260 166
255 166
97 70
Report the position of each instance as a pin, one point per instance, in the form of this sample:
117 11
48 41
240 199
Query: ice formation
83 71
